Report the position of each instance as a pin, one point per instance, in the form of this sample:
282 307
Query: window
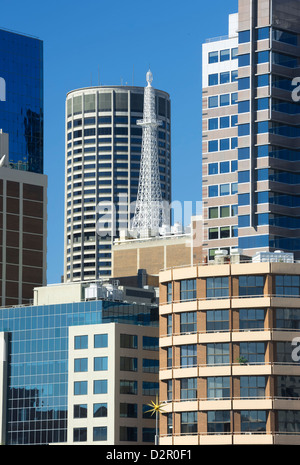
225 211
288 386
287 285
224 100
244 106
81 342
188 355
234 98
212 124
213 191
234 74
243 153
288 421
251 286
262 80
262 104
213 233
224 122
148 435
244 221
188 289
288 318
224 167
100 410
169 356
262 33
217 354
244 37
213 168
128 387
100 433
188 422
188 388
150 343
234 53
243 176
213 57
128 341
218 421
100 363
252 352
213 213
262 57
213 101
252 386
100 386
80 365
213 80
217 320
244 83
80 434
213 145
244 129
128 410
150 365
80 411
80 388
169 325
225 77
244 199
224 189
100 341
169 292
150 388
253 420
218 387
284 36
188 322
224 144
128 433
128 364
244 60
217 287
225 55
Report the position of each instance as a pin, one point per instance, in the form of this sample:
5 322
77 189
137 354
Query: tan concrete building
153 254
229 363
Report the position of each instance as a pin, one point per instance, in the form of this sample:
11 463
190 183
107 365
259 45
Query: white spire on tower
149 212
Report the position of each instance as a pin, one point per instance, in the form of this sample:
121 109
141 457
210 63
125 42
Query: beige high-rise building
229 355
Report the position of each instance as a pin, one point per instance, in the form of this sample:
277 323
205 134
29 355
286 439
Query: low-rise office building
229 363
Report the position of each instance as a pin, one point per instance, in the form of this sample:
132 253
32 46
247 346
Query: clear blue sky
118 37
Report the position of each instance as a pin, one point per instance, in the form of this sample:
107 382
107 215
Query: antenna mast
149 212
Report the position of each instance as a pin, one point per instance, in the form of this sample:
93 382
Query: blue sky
118 41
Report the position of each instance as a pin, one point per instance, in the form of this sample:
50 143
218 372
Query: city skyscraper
250 147
103 154
23 186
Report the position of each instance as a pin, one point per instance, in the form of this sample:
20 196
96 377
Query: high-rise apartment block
250 147
23 186
229 352
103 154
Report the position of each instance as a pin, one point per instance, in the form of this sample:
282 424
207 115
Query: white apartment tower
103 154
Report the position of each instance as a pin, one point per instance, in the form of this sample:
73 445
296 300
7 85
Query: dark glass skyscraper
21 99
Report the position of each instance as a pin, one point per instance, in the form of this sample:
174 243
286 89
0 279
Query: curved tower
103 155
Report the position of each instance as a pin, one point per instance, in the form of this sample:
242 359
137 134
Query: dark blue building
21 99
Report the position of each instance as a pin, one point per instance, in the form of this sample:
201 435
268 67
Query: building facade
41 370
21 99
229 362
23 186
113 376
103 152
250 129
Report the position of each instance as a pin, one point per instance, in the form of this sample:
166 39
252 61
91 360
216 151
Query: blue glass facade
21 102
38 362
